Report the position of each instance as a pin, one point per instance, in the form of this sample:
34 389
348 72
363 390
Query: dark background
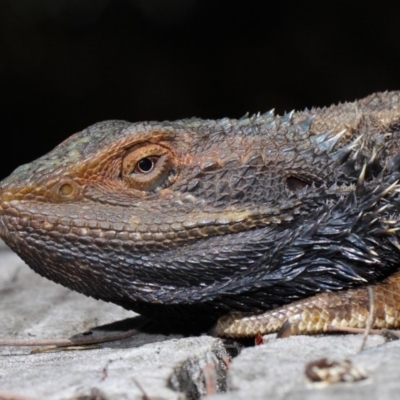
65 64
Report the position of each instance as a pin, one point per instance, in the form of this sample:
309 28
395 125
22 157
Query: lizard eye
148 167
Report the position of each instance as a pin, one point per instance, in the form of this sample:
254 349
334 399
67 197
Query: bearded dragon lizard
261 222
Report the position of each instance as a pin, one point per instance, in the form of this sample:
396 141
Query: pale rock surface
163 366
159 366
276 369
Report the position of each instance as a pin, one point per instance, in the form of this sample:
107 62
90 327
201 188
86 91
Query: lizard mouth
6 215
3 229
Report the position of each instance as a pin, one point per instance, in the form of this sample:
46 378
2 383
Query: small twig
370 319
227 362
52 349
210 378
70 342
145 395
362 330
13 396
353 330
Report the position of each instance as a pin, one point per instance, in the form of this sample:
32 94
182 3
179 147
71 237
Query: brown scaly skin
321 313
187 221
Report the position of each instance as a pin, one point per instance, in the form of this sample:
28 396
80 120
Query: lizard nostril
65 189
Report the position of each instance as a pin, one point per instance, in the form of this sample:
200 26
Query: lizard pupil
145 165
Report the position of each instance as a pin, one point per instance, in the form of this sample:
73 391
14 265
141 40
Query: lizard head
218 213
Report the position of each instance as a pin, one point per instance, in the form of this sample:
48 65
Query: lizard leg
322 313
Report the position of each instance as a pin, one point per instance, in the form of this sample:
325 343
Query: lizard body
192 219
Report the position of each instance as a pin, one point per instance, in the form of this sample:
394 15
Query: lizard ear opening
148 167
295 184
